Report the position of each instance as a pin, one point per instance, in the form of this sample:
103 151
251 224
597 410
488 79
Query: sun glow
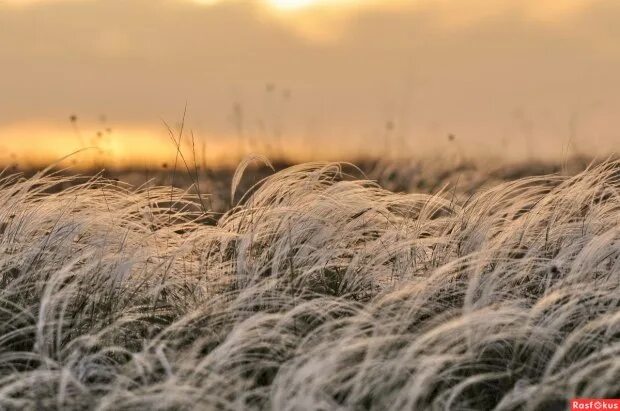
292 5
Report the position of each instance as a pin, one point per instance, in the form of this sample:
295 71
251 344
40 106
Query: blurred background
301 80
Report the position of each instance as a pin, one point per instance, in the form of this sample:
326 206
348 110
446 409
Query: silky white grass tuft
315 292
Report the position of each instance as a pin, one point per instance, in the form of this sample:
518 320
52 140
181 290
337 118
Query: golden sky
523 77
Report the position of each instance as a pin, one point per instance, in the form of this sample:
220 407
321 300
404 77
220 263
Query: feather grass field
316 291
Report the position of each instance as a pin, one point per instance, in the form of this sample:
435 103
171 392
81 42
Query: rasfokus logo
594 404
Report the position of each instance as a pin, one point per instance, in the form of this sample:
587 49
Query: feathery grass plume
317 291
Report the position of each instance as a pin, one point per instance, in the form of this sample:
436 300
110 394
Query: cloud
327 20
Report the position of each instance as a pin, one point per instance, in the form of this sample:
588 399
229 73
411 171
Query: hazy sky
503 76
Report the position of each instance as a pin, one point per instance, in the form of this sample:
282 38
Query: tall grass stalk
316 291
